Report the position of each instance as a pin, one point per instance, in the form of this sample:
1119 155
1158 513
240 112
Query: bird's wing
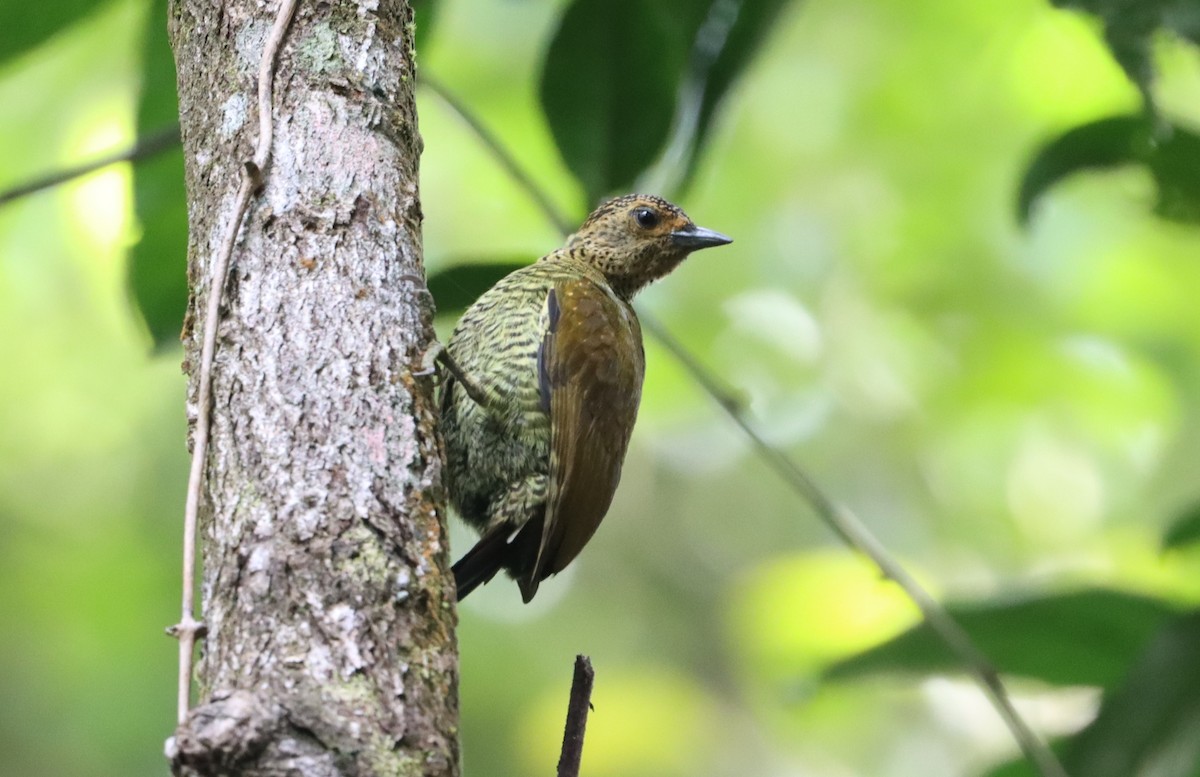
590 368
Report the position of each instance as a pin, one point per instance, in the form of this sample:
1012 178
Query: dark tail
482 562
501 548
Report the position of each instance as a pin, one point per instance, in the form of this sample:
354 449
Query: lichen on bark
330 645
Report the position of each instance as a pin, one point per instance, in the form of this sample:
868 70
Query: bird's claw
429 360
437 354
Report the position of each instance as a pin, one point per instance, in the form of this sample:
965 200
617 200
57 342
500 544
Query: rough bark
330 647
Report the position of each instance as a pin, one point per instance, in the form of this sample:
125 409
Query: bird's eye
646 218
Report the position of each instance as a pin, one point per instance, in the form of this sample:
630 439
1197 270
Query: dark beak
693 237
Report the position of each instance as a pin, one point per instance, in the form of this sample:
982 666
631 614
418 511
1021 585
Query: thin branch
837 517
147 146
846 525
577 715
500 153
189 628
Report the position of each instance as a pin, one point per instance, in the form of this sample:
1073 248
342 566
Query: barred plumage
556 349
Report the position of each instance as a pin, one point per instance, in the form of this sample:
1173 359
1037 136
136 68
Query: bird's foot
429 360
437 354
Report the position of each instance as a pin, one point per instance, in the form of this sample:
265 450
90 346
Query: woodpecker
546 378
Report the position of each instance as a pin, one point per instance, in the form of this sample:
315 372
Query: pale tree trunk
330 647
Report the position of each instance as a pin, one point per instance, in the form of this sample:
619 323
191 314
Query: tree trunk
330 647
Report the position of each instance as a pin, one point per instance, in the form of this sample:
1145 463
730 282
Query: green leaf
158 263
732 34
1170 153
24 25
1185 530
1175 164
1081 638
1130 27
1151 723
609 86
1103 144
425 14
1023 767
455 288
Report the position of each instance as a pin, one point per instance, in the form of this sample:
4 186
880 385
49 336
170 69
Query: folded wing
590 368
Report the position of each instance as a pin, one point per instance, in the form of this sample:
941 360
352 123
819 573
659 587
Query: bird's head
637 239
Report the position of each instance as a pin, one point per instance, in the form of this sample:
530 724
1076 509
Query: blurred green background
1012 409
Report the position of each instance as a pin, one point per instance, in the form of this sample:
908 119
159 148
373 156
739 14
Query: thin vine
189 627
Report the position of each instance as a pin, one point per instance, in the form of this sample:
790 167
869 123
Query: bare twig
189 628
500 153
577 715
837 517
154 143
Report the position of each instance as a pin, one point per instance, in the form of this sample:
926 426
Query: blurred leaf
25 25
1151 723
615 71
1185 530
1082 638
158 263
455 288
609 86
425 14
1175 164
1171 154
1022 767
1102 144
726 43
1130 26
